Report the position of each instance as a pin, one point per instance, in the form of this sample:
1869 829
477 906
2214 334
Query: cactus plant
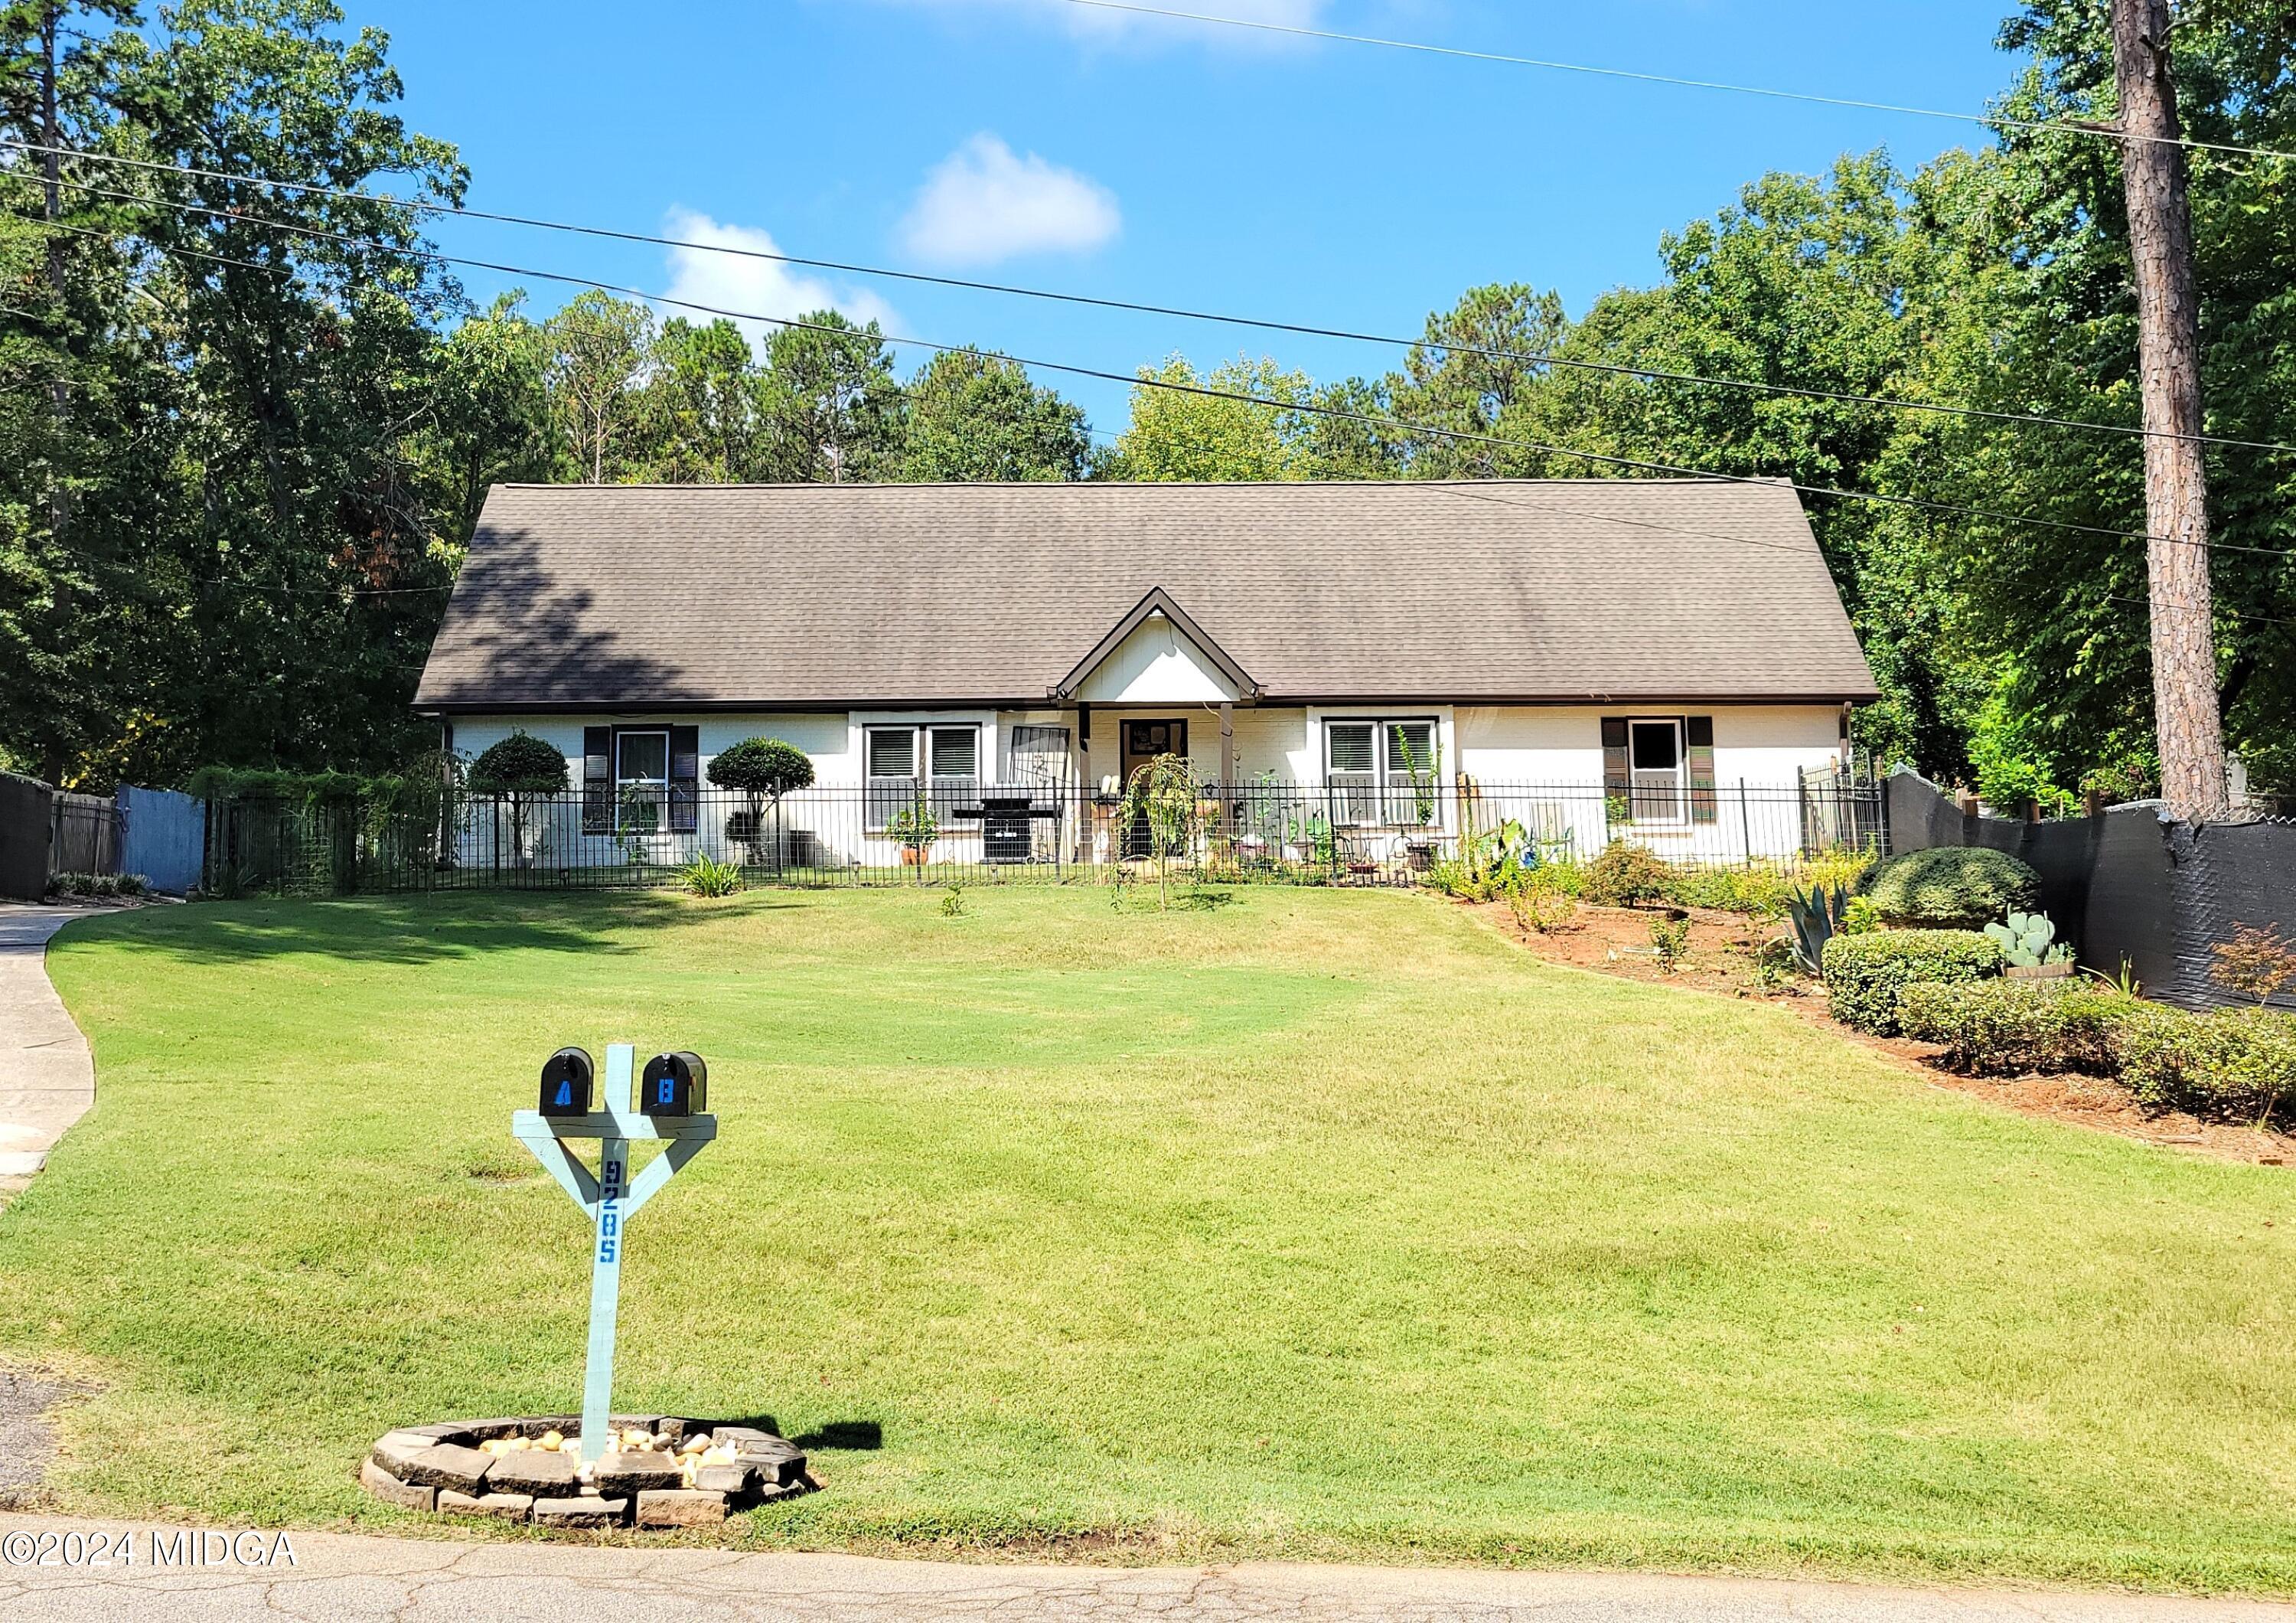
2029 940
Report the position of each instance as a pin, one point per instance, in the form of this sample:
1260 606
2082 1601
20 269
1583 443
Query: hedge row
2232 1062
1867 976
2005 1028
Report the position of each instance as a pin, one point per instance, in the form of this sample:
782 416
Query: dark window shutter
1616 778
684 778
597 779
1698 733
1618 773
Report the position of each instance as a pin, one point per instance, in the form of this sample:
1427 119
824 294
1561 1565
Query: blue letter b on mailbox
674 1085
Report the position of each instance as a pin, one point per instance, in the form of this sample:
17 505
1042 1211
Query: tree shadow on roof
513 635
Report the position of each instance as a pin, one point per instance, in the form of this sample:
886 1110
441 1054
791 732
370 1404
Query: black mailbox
568 1085
674 1085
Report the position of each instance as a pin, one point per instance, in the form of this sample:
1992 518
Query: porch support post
1227 767
1081 806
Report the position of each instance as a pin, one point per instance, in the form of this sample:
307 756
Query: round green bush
761 766
519 764
1950 886
1866 976
1624 874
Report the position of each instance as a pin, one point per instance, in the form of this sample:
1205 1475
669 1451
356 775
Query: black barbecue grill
1007 834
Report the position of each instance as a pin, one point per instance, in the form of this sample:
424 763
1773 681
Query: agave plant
1817 918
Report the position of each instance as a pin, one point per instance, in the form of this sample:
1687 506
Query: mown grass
1307 1224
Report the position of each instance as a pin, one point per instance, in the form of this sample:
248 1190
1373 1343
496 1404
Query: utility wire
2076 126
1141 380
1456 489
1543 358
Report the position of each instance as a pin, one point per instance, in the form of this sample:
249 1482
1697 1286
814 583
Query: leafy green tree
522 770
830 410
700 424
302 332
1468 374
599 347
976 418
488 420
1178 436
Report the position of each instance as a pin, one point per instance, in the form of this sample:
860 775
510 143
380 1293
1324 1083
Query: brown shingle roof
777 596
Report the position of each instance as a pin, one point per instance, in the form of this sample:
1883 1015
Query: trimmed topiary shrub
766 767
1866 976
1995 1027
1949 887
2234 1062
519 764
1626 874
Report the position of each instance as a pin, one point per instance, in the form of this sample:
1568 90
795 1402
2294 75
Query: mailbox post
613 1197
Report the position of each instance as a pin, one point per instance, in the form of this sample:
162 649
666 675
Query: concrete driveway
50 1080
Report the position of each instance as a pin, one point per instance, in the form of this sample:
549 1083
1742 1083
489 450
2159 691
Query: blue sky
1033 142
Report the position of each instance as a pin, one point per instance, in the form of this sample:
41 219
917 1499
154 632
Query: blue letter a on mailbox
565 1094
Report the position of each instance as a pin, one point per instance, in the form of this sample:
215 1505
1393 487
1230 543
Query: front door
1144 741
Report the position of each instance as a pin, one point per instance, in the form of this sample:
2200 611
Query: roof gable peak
1157 604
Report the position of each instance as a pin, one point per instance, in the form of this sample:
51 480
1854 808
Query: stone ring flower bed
659 1471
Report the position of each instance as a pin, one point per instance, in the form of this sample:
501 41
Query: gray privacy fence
938 830
2129 883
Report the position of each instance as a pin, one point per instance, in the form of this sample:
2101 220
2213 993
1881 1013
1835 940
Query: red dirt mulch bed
1617 940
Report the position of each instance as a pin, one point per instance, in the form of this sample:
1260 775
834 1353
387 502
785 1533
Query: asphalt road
345 1579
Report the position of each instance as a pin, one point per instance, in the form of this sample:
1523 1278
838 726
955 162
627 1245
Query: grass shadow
857 1436
415 929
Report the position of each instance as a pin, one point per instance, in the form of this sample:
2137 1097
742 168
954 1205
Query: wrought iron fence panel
940 830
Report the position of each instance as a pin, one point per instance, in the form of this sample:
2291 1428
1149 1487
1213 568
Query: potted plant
915 828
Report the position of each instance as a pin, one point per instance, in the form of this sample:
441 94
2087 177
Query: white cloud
767 287
984 203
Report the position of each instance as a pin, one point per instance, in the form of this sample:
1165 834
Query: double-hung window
939 764
1382 772
641 780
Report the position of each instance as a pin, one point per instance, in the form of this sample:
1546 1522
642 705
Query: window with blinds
939 765
1381 772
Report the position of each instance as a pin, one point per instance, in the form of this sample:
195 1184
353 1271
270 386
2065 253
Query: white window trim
1681 817
1385 769
922 728
624 783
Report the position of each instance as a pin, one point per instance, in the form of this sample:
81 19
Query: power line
2076 127
1543 357
1452 489
1141 380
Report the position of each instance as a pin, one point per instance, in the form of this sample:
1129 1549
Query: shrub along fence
2130 883
405 836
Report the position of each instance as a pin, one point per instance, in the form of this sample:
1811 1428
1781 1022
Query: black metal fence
938 831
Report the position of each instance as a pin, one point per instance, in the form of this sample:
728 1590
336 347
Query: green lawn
1312 1223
